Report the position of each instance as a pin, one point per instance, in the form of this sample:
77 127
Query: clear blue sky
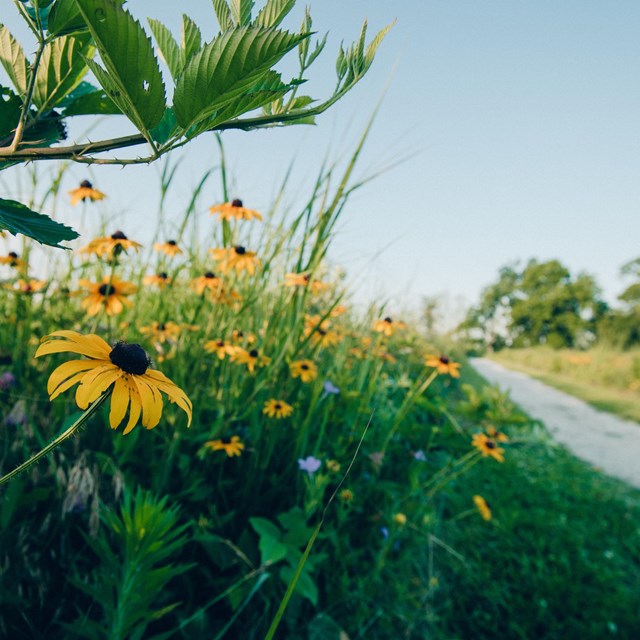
522 118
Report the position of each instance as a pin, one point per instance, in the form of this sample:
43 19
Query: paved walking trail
609 443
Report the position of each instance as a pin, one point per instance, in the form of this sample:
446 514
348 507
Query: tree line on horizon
543 303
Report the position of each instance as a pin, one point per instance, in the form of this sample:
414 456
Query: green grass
560 559
606 379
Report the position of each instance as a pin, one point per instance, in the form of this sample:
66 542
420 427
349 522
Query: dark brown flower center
131 358
304 366
322 332
13 255
162 326
253 353
172 243
444 360
490 444
118 235
210 275
240 250
163 275
236 203
220 343
225 440
85 184
106 290
277 406
388 320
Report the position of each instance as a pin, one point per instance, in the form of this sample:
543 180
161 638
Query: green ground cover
560 558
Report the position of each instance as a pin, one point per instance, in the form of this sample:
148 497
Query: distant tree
621 327
541 304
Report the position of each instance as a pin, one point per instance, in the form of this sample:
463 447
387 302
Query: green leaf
168 47
227 68
374 44
270 88
13 60
223 13
305 586
10 109
264 527
65 18
62 67
16 218
241 12
274 12
86 99
166 128
191 39
137 89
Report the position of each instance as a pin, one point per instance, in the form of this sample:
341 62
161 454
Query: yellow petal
95 383
151 402
134 409
119 403
175 393
68 369
67 384
91 345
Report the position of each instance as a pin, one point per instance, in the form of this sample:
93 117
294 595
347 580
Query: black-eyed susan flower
443 365
496 435
236 258
239 336
234 210
304 279
124 368
252 358
232 446
110 295
487 446
483 507
12 259
387 326
85 192
29 286
159 280
319 333
110 246
306 370
277 409
209 281
220 347
161 331
169 248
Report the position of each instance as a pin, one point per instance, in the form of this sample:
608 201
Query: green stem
56 441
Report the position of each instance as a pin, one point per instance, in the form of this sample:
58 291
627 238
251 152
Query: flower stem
58 440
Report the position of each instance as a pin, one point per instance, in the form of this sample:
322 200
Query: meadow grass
606 378
172 532
559 559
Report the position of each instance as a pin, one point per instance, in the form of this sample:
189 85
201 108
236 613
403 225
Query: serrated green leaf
17 218
241 12
168 47
62 67
223 14
269 88
13 60
94 103
10 109
166 128
375 43
227 68
137 89
274 12
191 39
65 18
